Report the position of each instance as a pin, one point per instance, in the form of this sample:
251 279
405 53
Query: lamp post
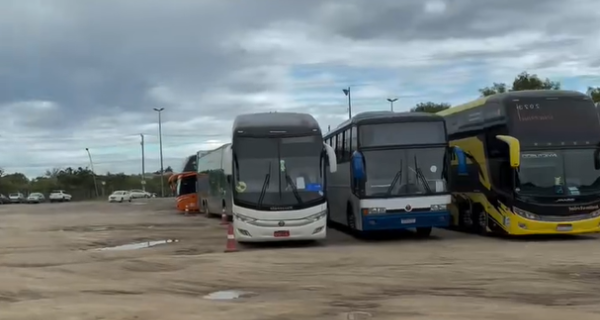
93 172
347 93
392 100
162 170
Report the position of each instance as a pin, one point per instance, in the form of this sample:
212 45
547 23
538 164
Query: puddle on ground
227 295
358 315
137 245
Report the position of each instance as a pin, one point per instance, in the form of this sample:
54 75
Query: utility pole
392 100
347 93
162 169
143 164
93 172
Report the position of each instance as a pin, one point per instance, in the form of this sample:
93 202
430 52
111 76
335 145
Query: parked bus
214 189
532 164
279 162
392 172
185 192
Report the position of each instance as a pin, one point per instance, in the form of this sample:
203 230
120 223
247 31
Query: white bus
213 187
392 172
279 178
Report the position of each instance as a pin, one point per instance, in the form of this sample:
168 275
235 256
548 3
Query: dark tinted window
406 133
554 121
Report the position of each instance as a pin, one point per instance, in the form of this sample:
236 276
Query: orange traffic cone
230 246
224 218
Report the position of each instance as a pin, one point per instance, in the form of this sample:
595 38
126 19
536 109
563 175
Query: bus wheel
481 221
424 232
351 219
465 217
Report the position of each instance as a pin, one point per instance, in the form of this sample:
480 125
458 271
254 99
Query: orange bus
185 190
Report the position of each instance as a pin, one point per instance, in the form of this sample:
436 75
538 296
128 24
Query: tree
594 93
523 81
430 107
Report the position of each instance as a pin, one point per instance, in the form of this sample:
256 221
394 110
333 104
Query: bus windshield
186 185
278 173
403 133
404 172
558 173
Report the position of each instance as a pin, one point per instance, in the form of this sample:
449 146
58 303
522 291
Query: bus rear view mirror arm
331 158
514 149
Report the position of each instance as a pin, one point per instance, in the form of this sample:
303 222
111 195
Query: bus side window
339 151
353 140
347 145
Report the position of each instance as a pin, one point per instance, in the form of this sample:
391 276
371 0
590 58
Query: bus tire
424 232
350 218
480 220
465 215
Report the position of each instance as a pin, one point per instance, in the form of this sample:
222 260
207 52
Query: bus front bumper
521 226
247 232
399 221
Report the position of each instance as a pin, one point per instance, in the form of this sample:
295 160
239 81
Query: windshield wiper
394 181
290 182
264 187
421 177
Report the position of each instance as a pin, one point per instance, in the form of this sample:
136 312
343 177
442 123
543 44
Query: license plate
564 227
407 221
281 234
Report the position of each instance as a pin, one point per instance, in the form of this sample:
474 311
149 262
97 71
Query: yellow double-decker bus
532 163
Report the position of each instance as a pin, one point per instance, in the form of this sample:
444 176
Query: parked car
119 196
59 196
137 193
36 197
16 197
4 199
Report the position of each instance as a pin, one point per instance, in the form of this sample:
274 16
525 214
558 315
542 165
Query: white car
136 193
16 197
36 197
59 196
119 196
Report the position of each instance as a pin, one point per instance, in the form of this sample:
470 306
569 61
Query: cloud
87 74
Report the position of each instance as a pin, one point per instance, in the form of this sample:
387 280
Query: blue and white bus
391 172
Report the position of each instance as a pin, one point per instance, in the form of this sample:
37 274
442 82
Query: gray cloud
104 64
408 20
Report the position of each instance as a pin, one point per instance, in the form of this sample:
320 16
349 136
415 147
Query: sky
80 74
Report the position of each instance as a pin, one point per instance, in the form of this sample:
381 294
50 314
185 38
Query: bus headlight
595 214
378 210
525 214
318 216
243 218
438 207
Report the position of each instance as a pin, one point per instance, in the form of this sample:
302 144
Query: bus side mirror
462 161
332 160
358 168
597 159
514 150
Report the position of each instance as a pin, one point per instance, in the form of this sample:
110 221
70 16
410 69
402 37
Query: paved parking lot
53 266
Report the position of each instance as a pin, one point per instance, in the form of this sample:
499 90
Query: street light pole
93 172
143 164
392 100
162 169
347 93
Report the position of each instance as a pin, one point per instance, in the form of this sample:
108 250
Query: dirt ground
50 268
